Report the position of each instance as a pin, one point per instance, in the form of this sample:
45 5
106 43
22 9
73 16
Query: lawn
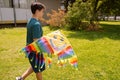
98 54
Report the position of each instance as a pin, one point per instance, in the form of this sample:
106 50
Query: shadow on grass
109 31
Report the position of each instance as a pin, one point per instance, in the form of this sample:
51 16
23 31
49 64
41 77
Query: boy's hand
35 39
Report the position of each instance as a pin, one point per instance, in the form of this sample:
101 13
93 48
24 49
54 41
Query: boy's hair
36 6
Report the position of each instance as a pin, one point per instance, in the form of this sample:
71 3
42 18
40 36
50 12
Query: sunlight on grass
98 55
111 22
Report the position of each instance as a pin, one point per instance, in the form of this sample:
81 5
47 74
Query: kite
54 43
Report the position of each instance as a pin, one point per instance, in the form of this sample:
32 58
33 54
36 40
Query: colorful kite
53 43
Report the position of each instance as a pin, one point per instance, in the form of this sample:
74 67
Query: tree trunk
115 17
93 26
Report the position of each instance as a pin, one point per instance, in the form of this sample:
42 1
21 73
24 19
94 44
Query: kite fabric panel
54 43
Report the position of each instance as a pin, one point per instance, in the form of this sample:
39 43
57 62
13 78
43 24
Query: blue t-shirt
34 30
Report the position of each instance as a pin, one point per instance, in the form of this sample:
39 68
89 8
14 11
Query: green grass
98 54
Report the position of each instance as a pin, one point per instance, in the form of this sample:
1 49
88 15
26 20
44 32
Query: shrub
56 19
76 14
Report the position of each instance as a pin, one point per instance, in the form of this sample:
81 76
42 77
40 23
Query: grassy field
98 54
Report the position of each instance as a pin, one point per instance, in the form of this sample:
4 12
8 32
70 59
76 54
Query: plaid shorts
37 62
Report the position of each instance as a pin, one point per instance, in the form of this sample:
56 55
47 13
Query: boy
34 32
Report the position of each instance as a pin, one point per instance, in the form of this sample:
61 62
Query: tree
67 3
94 7
90 10
111 7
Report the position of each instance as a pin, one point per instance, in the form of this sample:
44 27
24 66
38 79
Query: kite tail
49 60
41 61
32 59
24 50
36 61
73 61
61 62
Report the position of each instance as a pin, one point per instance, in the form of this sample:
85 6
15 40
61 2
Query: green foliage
76 14
104 8
89 10
110 7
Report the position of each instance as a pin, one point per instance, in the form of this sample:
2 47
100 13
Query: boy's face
40 13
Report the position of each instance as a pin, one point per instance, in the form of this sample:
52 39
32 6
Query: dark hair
36 6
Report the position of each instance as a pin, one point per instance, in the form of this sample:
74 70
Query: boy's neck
34 16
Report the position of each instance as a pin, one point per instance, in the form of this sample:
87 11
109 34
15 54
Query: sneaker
19 78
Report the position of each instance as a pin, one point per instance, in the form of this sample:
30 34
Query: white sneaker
19 78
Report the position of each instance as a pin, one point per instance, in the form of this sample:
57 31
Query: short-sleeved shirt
34 30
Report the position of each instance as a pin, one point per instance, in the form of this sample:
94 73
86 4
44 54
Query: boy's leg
27 72
39 76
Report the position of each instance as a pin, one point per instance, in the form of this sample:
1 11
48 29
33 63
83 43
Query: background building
18 11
